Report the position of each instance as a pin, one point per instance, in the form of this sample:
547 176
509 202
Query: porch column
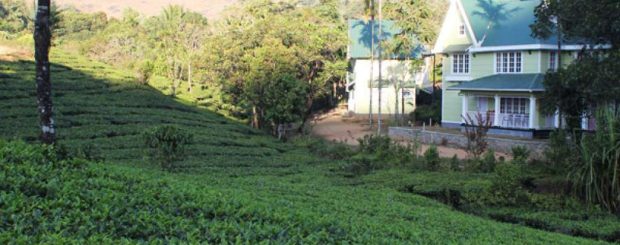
498 101
533 112
465 104
556 119
584 122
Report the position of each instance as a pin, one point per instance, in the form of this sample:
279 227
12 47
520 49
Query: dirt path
12 54
333 127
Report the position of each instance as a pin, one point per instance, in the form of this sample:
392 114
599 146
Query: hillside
237 185
114 8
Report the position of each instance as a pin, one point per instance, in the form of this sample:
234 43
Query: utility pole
559 52
379 121
434 80
42 40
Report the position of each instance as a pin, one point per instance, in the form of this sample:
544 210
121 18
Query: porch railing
505 120
485 117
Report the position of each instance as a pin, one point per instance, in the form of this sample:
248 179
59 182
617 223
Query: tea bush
488 162
168 145
506 188
455 163
46 200
431 158
520 154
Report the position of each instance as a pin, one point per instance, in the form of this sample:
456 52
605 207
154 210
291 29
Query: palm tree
369 6
380 64
172 25
42 39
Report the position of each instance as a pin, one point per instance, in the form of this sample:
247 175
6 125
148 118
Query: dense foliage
590 81
15 17
258 49
596 171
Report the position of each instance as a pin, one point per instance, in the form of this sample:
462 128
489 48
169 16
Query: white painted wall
393 72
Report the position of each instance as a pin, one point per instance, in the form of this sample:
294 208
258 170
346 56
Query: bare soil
333 127
13 54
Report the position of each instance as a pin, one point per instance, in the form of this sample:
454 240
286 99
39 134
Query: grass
237 185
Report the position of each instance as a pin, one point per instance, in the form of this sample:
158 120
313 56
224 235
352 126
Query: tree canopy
590 81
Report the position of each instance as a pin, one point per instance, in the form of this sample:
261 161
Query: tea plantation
236 185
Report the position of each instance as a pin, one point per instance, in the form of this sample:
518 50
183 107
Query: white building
400 77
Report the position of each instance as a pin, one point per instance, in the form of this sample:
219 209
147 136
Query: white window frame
465 59
462 30
511 62
514 105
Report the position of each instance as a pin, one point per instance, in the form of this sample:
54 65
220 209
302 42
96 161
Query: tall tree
416 22
370 11
42 39
592 78
380 49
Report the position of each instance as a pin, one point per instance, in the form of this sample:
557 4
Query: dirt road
332 126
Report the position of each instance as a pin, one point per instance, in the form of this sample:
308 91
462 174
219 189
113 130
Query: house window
460 63
509 62
462 30
514 106
553 61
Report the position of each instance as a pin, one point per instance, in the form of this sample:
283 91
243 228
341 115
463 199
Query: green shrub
144 71
597 174
455 163
387 151
506 186
89 152
375 144
488 162
331 150
431 158
361 164
560 152
167 144
520 154
426 113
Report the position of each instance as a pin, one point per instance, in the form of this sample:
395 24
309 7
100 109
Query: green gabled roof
503 22
504 82
360 38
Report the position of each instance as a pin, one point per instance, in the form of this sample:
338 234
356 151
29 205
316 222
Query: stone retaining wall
504 145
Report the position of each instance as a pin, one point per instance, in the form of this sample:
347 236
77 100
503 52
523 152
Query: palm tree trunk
189 75
42 39
379 121
372 63
255 119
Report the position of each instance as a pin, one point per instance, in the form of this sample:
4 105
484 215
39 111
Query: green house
493 67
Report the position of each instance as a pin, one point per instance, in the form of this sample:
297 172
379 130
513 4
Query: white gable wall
393 72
